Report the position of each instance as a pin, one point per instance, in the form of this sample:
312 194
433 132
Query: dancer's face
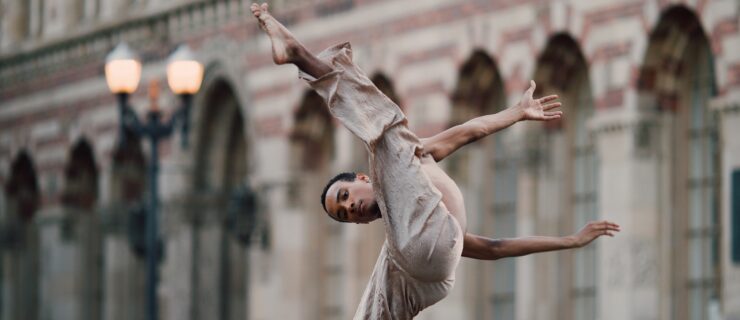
352 201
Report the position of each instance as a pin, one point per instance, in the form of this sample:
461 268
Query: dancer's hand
593 230
535 109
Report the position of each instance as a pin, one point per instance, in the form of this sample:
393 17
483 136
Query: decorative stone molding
146 33
728 104
620 120
644 127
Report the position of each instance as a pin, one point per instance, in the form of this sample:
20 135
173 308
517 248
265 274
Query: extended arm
446 142
482 248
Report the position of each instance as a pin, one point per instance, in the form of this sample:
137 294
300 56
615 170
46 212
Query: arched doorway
72 263
486 172
21 253
312 153
219 260
567 178
124 236
678 79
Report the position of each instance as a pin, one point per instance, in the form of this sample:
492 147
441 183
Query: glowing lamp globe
184 73
122 69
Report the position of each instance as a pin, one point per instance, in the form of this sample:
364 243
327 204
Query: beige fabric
416 266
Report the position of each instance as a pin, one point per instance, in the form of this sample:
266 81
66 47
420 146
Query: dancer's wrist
518 110
571 241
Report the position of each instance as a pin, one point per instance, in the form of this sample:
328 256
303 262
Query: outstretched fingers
552 106
609 228
552 115
548 98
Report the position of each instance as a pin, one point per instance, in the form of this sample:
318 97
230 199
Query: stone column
124 272
71 264
71 14
36 17
631 165
53 17
21 269
526 222
185 253
91 9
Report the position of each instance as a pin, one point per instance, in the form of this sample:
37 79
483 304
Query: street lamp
184 75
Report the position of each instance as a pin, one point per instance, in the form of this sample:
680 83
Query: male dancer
421 208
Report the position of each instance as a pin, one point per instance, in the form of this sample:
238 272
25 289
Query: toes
264 7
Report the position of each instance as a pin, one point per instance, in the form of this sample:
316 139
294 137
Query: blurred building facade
650 140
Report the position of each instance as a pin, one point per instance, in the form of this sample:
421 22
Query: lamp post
184 76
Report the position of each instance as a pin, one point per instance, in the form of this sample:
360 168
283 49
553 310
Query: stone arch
479 91
486 173
566 169
676 39
21 255
677 82
22 187
312 136
219 122
81 177
128 179
220 179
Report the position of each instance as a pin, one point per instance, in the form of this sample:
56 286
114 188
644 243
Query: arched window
81 177
79 258
570 167
22 188
313 134
21 294
487 171
223 220
129 171
678 75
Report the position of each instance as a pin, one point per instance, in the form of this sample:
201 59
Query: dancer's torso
451 195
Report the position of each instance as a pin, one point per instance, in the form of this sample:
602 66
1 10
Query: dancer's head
348 197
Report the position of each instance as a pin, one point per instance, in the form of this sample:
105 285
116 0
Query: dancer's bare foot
284 45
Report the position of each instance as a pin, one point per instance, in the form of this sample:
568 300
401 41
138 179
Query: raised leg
285 47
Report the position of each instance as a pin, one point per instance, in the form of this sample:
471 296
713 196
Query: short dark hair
344 176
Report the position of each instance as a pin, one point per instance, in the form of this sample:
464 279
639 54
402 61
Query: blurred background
650 139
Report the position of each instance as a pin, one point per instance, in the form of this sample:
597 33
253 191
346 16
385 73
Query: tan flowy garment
416 266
